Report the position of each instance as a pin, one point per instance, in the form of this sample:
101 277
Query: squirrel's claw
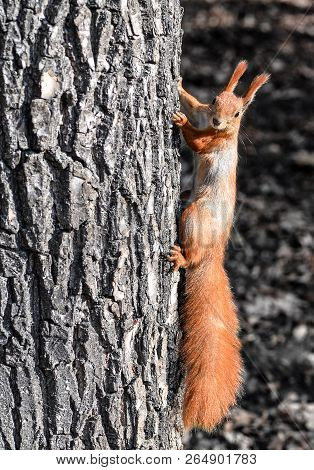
175 249
176 257
179 119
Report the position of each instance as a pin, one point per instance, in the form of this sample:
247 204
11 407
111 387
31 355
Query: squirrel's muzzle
216 122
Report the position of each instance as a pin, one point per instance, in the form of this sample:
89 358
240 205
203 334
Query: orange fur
237 74
258 81
211 349
210 346
203 140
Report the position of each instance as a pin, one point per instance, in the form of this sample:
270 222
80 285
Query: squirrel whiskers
211 348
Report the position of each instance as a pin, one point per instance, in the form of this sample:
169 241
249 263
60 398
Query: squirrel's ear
237 74
258 81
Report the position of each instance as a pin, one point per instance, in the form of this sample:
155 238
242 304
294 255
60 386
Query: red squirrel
211 348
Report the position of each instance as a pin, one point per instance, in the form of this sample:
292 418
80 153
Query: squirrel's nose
216 122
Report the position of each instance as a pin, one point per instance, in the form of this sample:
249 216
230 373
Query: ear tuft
237 74
258 81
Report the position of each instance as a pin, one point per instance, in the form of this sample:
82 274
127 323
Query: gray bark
89 332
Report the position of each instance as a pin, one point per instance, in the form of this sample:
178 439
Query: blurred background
270 258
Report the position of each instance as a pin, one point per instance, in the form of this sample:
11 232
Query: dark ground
270 258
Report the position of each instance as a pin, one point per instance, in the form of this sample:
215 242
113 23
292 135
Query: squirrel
211 348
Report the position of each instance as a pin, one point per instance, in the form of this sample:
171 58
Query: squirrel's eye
237 114
214 101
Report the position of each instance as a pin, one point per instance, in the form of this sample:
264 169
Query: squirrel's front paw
179 119
176 257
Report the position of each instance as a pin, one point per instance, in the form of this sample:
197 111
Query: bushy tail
211 349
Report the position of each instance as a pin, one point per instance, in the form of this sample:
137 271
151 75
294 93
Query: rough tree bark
89 330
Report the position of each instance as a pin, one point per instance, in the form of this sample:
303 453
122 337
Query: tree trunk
89 332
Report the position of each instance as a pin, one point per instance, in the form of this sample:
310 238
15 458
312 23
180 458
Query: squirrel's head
227 109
